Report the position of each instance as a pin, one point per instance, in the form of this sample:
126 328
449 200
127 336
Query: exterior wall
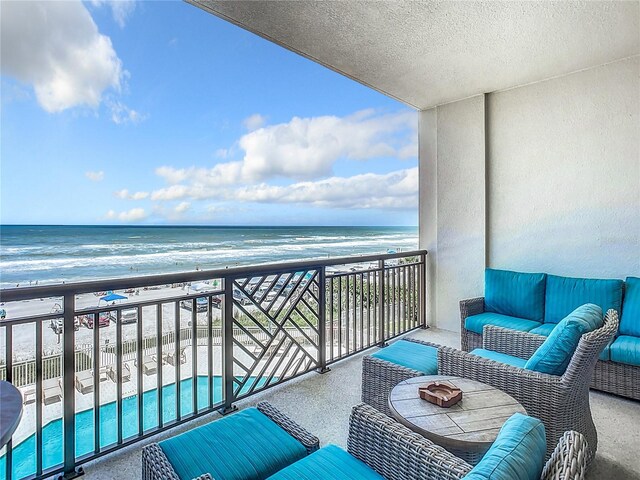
564 176
544 177
456 240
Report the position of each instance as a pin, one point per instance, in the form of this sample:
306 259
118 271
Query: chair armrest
469 307
156 465
309 441
569 459
511 342
422 342
397 453
513 380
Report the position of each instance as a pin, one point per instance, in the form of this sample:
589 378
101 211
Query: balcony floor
321 403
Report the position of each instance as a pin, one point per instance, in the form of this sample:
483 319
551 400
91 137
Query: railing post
422 289
68 393
381 316
322 321
227 348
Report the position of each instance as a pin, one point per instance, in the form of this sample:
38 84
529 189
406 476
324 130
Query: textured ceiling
426 53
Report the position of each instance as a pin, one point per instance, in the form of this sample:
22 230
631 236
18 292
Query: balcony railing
106 376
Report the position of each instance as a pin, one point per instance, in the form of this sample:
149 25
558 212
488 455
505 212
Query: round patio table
466 429
10 411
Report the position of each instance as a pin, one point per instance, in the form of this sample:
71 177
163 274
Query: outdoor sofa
560 400
534 303
378 448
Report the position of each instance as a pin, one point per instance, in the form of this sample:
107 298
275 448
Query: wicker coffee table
466 429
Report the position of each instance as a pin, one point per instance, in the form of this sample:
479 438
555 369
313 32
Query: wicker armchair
397 453
380 376
561 402
156 465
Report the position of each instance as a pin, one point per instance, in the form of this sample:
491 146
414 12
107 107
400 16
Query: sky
160 113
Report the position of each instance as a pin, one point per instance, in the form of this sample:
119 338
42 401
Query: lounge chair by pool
51 391
84 381
112 373
149 365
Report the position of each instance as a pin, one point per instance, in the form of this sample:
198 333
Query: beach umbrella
112 297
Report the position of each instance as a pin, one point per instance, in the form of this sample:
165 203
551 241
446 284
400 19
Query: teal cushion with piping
565 294
517 454
554 355
475 323
415 356
500 357
514 294
626 350
630 321
328 463
244 446
544 329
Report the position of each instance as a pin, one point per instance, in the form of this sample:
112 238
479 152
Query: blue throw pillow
630 321
555 353
514 294
518 452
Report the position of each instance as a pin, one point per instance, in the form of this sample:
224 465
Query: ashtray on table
440 394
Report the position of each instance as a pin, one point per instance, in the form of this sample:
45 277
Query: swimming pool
24 454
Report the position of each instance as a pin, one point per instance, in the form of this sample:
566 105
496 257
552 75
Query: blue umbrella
112 297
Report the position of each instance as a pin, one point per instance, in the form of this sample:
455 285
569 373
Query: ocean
56 254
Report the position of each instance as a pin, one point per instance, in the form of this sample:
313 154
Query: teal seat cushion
518 452
244 446
565 294
605 355
475 323
514 294
500 357
544 329
554 355
328 463
415 356
626 349
630 321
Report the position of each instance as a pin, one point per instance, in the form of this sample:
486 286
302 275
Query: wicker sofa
258 448
378 447
618 368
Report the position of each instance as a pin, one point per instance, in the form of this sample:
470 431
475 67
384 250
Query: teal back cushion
554 355
630 321
517 453
244 446
565 294
515 294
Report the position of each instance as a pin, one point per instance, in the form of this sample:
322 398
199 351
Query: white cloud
120 9
57 48
395 190
125 195
304 149
95 176
133 215
255 121
182 207
121 114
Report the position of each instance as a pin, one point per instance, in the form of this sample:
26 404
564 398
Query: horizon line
194 225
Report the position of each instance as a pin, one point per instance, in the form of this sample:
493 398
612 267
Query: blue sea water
53 254
24 457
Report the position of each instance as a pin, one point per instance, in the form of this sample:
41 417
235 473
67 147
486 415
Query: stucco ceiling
426 53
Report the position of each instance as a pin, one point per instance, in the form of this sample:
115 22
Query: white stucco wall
544 177
564 174
456 239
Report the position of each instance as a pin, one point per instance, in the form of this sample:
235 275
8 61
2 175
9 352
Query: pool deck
322 403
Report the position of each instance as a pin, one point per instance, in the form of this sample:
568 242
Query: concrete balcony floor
322 403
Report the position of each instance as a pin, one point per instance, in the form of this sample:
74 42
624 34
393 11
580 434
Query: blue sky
160 113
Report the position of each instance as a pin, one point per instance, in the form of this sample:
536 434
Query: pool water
24 454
